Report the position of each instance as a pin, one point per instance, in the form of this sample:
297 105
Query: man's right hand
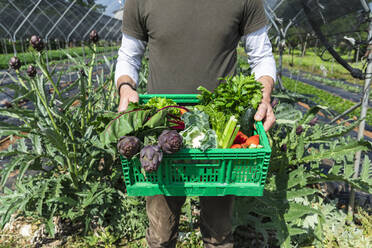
127 95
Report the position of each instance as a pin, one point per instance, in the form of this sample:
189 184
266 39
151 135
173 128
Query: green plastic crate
191 172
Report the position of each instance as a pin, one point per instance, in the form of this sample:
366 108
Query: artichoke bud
128 146
150 157
31 71
93 36
37 43
170 141
14 63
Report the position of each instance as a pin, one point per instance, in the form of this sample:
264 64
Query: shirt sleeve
129 59
134 22
260 56
254 16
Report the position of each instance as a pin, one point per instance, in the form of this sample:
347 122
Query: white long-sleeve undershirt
260 56
257 47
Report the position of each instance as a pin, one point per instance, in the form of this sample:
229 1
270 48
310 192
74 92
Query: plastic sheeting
59 19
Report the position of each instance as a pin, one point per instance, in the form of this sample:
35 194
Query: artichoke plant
37 43
128 146
170 141
31 71
93 36
150 157
14 63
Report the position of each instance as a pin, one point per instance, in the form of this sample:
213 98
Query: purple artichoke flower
93 36
128 146
37 43
299 130
31 71
170 141
14 63
150 157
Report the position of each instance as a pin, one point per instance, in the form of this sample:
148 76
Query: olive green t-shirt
191 42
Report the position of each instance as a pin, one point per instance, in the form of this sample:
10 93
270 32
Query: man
192 43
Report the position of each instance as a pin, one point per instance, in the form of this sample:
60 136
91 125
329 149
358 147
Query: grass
313 64
53 55
321 97
334 83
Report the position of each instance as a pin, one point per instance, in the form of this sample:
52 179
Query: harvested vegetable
150 157
196 137
128 146
229 134
237 146
247 121
137 121
231 98
170 141
242 141
161 102
198 133
240 138
253 140
182 111
234 95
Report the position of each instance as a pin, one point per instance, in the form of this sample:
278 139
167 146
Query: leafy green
126 124
197 137
234 95
161 102
230 98
217 119
137 121
196 118
197 133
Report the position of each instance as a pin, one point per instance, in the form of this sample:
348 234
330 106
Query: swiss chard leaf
126 124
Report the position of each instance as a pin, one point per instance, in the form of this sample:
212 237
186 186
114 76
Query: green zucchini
247 121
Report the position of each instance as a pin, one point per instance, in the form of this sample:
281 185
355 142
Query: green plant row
330 82
312 63
54 55
322 97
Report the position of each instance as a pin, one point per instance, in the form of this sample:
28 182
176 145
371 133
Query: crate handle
196 163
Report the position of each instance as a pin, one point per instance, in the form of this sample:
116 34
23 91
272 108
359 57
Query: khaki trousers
215 220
